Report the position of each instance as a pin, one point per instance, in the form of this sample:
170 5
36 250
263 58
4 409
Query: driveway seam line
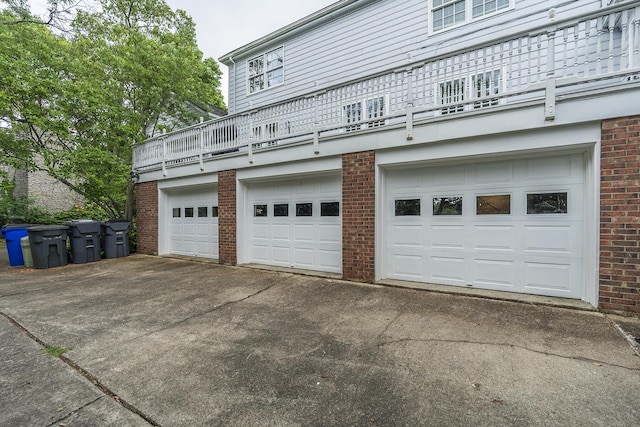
86 374
544 353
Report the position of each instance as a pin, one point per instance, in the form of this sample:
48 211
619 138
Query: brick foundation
147 218
358 216
227 217
620 215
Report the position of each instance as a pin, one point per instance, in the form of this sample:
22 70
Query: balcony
595 51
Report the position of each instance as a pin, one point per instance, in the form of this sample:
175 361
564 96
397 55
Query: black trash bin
115 238
85 240
48 245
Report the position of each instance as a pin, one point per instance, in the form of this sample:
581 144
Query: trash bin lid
83 226
10 226
47 228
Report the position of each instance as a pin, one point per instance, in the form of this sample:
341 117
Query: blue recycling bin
12 233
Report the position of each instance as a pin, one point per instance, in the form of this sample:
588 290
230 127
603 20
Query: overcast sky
223 26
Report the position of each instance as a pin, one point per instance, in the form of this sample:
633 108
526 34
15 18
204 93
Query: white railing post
164 156
550 95
410 104
201 153
316 125
251 135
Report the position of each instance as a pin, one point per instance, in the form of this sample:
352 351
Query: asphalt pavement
145 340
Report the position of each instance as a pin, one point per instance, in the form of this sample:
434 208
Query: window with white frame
478 90
356 117
449 13
266 70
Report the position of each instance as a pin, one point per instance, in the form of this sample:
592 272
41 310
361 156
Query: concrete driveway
156 341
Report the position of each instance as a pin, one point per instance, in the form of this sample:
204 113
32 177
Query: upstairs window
449 13
266 70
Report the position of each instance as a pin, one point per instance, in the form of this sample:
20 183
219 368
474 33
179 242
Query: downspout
234 84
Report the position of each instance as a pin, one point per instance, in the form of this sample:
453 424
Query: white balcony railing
599 49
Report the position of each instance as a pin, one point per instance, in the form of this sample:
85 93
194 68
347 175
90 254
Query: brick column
227 217
620 215
147 218
358 216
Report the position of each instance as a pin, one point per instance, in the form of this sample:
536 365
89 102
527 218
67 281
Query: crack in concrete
631 340
379 344
59 422
215 308
544 353
87 375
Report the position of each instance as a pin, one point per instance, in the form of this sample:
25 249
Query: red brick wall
147 218
227 217
620 215
358 216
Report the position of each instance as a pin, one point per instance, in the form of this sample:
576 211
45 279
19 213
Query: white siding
377 37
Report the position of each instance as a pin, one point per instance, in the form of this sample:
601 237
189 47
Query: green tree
80 100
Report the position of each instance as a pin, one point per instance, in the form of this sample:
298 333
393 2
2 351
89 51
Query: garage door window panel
260 210
177 212
330 209
281 209
214 212
447 206
498 204
203 212
188 212
547 203
407 207
304 209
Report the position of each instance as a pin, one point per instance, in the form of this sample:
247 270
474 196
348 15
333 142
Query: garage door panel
330 233
447 236
282 254
446 177
489 174
549 169
304 257
495 273
450 269
304 233
310 242
407 235
260 231
408 266
494 237
328 258
531 248
548 276
549 239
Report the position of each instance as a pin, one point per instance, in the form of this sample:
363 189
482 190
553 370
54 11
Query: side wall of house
147 218
378 36
620 215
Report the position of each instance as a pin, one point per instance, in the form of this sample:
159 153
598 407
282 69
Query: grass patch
55 351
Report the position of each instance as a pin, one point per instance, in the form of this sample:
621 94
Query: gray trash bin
115 238
48 245
85 240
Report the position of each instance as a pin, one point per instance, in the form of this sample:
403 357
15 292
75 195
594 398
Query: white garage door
512 225
296 223
193 218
